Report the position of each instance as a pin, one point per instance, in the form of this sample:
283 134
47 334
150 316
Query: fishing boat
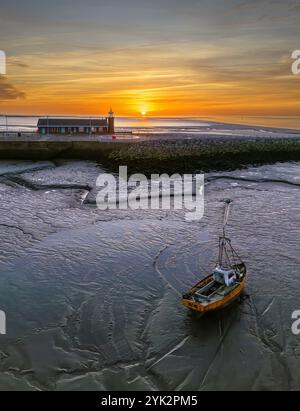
225 284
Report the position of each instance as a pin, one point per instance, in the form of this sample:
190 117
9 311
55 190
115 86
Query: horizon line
149 116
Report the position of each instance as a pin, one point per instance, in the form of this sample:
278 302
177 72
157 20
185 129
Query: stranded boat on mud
225 284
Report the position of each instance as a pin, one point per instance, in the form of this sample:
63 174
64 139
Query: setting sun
142 71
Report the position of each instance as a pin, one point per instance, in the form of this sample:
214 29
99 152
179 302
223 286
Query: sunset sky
161 57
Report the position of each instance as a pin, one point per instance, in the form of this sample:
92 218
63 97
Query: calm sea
28 123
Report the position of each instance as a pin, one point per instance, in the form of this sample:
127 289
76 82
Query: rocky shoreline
204 153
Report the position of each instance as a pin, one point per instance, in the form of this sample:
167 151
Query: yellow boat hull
214 305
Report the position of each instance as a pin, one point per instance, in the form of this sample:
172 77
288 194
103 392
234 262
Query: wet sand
93 297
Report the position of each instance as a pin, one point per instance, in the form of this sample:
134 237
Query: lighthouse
111 122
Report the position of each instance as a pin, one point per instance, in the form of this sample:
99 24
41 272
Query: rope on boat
226 251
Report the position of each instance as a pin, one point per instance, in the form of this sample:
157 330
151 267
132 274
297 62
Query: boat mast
223 240
226 214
